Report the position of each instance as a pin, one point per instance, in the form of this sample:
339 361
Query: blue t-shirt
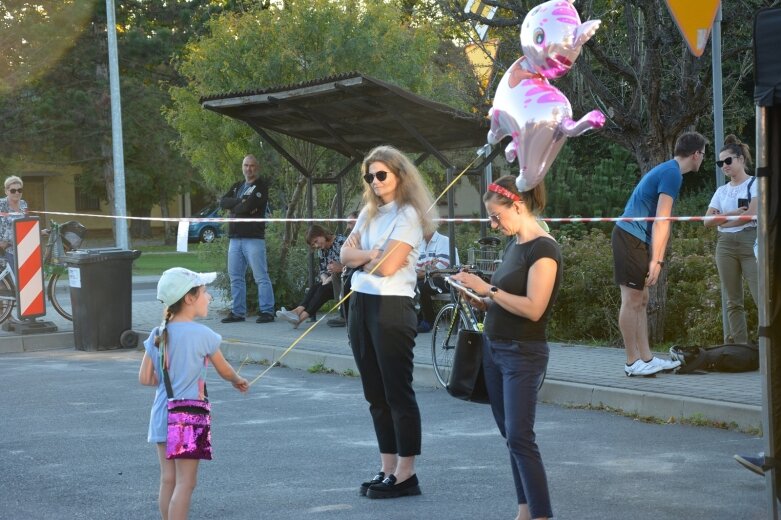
188 345
665 178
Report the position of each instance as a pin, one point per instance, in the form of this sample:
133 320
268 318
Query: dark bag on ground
730 357
467 380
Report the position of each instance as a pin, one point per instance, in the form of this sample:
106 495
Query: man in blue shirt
639 246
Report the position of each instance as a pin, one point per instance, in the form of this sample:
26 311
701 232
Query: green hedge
588 302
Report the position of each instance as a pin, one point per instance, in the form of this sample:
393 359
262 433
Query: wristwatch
492 291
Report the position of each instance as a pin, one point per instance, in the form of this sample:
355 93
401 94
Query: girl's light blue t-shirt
188 345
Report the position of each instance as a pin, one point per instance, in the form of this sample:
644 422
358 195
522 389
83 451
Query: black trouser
382 333
426 292
346 288
316 296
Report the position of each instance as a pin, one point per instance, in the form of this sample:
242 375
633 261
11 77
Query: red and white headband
504 192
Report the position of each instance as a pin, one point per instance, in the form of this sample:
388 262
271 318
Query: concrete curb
14 344
563 393
302 359
651 404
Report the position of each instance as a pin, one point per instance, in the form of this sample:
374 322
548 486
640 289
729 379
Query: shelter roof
352 113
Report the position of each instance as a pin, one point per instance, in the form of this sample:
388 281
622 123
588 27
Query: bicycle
458 314
61 239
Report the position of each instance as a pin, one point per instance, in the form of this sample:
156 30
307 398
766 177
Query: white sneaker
641 368
668 365
288 316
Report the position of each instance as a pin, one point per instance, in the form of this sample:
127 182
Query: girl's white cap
175 282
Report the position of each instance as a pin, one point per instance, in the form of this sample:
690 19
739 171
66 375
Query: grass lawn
156 259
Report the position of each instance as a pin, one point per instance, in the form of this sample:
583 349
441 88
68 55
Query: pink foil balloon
537 115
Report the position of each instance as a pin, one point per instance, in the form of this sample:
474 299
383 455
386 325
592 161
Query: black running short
631 257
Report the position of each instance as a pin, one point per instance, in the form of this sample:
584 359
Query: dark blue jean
513 371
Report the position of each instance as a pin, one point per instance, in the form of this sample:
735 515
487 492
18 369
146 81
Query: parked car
206 231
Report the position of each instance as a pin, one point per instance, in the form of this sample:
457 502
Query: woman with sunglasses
11 206
382 321
735 258
518 304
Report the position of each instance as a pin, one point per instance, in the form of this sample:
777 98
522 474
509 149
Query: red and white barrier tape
456 220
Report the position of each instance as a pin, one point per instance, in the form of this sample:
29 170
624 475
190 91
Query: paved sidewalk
577 375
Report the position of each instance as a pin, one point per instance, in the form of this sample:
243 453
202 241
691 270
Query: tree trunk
141 228
169 231
291 227
102 105
657 306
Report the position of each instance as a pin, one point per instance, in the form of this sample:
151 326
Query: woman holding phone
735 258
518 303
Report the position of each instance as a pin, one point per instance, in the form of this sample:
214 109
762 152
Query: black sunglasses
726 161
381 176
14 190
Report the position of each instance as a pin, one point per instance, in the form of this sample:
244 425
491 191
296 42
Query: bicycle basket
485 260
72 234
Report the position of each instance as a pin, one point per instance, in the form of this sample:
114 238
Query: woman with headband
518 304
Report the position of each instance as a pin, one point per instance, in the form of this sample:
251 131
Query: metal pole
310 202
718 141
488 177
718 101
765 353
120 224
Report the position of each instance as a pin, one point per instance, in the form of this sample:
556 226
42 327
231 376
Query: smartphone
743 203
460 287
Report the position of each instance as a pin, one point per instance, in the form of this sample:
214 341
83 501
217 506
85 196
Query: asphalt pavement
73 446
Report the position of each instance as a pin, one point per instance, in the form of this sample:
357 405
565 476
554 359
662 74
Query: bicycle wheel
7 298
444 335
59 294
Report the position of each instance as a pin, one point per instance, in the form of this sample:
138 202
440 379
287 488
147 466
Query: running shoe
643 369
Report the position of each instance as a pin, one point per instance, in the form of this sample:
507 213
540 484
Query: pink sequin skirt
189 429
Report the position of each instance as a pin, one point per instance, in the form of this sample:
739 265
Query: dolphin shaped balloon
537 115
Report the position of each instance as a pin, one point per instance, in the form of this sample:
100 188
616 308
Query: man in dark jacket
248 199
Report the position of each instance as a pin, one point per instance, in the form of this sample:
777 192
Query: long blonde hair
410 188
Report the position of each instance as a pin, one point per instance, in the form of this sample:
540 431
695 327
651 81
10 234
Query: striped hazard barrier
29 266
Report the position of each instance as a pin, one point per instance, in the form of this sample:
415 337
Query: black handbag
467 379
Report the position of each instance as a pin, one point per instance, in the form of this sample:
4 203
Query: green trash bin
101 286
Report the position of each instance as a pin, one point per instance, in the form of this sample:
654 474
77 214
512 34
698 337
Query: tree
637 71
304 41
54 106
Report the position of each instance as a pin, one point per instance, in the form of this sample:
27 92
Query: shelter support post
451 213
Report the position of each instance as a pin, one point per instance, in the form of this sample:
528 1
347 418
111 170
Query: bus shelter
351 114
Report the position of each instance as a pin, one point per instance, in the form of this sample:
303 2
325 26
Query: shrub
289 280
588 302
587 305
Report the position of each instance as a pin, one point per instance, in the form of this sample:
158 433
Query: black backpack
731 357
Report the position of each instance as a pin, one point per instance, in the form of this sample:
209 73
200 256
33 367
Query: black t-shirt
512 276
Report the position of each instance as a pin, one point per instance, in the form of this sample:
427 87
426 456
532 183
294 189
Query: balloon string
346 296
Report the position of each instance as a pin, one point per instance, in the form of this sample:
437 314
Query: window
85 201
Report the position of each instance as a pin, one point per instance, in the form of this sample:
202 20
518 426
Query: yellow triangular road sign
695 20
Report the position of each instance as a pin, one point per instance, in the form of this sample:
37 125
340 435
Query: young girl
184 295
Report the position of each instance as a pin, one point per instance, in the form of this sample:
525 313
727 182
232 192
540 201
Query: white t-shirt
435 252
726 199
390 223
